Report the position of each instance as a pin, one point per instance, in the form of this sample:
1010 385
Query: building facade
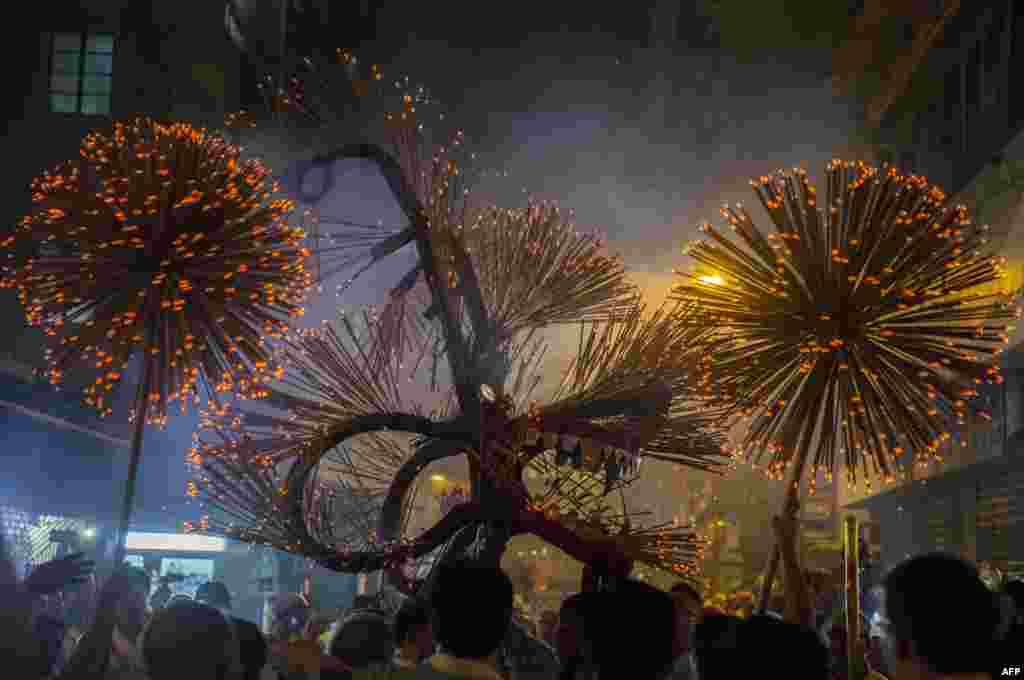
971 506
102 60
79 68
972 126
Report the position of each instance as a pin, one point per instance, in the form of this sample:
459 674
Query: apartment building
968 129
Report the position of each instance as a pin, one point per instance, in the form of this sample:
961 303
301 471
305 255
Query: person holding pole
799 606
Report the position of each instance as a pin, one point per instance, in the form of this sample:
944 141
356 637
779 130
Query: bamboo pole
141 412
790 508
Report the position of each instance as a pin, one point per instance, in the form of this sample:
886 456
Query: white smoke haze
643 145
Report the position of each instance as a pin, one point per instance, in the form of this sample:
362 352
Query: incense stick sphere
161 242
860 329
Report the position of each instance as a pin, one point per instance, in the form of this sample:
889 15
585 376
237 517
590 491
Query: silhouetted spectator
525 657
414 639
635 632
548 625
50 632
727 647
160 597
571 641
252 647
689 604
472 608
363 602
109 648
762 638
921 595
19 649
715 643
364 642
1015 591
189 640
291 613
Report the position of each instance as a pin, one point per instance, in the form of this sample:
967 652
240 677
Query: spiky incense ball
161 241
861 328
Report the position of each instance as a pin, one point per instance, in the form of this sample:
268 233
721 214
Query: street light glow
712 279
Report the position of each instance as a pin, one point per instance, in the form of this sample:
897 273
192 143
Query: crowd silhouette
939 620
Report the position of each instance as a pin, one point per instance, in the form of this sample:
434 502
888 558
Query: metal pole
128 504
851 550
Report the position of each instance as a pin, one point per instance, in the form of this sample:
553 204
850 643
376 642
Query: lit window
81 73
141 540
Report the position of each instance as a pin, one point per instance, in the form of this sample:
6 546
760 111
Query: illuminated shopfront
184 561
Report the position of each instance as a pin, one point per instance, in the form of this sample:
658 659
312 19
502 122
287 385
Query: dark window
81 73
952 109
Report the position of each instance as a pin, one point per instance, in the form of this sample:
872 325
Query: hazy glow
713 279
141 540
437 478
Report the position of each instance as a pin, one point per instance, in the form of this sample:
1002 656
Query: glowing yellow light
712 279
437 478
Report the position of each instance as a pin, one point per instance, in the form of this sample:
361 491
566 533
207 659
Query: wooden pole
141 409
851 551
790 509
